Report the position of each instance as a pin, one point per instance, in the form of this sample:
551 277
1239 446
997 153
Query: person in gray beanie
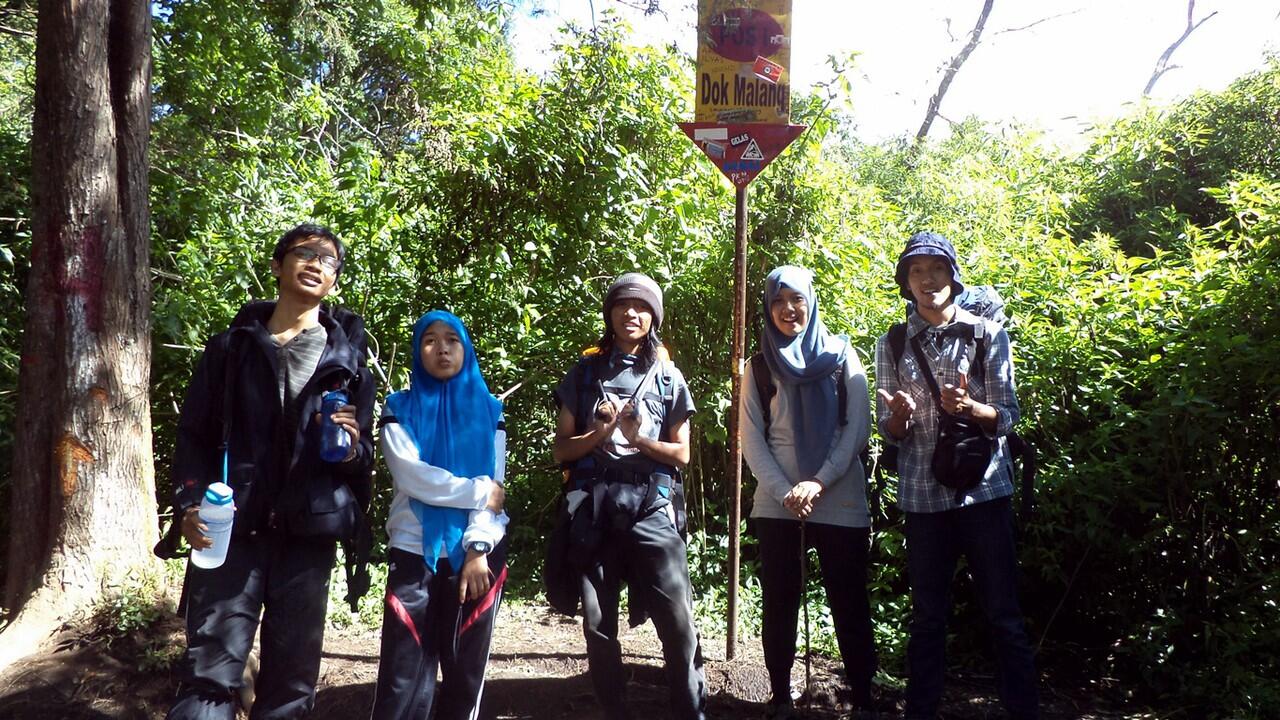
622 435
957 367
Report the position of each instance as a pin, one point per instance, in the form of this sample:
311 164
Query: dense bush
1143 178
1141 275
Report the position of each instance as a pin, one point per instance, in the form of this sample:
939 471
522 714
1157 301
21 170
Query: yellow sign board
744 54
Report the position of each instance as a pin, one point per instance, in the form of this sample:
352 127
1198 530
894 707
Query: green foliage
17 78
1161 423
1143 179
126 624
1141 276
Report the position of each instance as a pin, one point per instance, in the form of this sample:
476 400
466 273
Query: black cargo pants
650 556
286 581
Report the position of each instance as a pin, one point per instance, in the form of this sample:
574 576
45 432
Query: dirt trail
537 671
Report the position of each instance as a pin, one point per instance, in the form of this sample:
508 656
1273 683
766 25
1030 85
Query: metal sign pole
742 121
735 428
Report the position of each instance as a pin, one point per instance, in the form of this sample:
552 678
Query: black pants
286 580
842 554
651 557
424 628
935 541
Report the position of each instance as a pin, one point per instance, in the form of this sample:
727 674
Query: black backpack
985 302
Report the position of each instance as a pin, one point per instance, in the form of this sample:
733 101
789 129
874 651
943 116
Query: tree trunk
83 511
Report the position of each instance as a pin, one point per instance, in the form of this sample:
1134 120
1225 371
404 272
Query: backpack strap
1024 451
898 342
229 359
765 389
842 394
666 386
585 376
978 360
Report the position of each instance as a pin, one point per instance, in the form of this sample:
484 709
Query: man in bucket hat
970 360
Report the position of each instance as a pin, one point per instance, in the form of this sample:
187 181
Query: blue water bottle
335 443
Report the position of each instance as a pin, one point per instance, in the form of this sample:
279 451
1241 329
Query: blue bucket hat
927 243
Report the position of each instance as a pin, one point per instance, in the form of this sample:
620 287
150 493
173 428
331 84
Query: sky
1080 61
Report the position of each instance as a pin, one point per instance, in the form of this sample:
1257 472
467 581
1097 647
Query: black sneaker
779 710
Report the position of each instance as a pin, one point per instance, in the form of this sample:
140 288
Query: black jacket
279 480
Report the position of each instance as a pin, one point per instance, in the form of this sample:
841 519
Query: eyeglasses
306 255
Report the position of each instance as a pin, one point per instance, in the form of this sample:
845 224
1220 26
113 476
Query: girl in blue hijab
444 443
802 448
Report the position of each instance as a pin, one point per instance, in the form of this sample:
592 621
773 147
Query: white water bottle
217 512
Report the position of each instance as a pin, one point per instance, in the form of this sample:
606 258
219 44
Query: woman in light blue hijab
444 443
805 418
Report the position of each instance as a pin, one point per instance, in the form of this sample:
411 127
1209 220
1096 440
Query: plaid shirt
945 352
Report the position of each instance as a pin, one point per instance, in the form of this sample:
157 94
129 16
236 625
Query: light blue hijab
803 366
453 422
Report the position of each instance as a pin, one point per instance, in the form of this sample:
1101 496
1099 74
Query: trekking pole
804 600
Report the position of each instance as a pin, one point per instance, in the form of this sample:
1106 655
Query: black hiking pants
286 581
983 533
842 555
650 557
425 629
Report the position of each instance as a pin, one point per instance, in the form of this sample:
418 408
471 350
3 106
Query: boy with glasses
251 419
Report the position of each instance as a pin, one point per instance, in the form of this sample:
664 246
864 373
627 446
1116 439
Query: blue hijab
803 366
452 422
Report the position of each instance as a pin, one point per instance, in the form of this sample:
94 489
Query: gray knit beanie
640 287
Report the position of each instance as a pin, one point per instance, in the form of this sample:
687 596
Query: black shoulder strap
765 389
665 385
928 371
977 367
584 390
1023 450
842 393
229 360
897 342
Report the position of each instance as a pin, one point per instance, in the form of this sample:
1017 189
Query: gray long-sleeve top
773 459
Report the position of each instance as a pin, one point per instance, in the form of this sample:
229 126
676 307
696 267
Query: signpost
742 121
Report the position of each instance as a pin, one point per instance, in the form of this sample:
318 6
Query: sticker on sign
759 143
767 70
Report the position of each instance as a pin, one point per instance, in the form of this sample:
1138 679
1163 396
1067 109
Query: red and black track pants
425 630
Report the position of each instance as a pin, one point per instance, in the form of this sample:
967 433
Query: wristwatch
481 547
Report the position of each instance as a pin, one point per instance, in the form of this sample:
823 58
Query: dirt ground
538 671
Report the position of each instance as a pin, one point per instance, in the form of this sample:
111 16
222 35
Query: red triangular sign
741 150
